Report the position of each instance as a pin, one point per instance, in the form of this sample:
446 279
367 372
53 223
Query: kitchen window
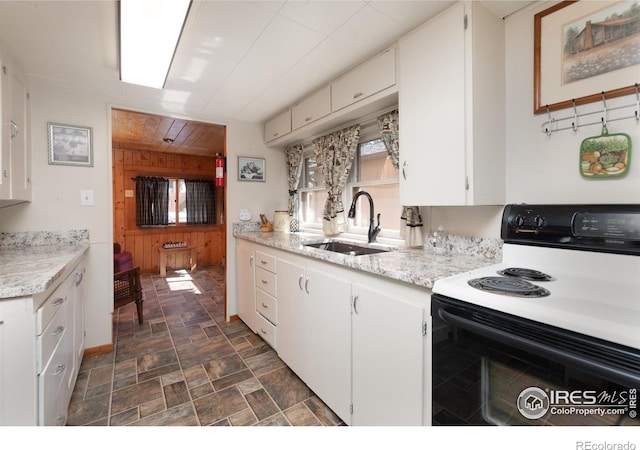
371 171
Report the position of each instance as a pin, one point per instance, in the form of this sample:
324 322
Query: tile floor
185 365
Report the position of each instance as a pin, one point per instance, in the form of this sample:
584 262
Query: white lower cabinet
357 340
245 260
41 348
314 330
387 341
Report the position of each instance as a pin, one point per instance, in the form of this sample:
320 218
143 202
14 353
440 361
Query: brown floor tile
186 365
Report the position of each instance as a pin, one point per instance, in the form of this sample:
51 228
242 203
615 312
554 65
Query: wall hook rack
571 122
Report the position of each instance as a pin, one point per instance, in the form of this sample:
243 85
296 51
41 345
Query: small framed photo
251 169
70 145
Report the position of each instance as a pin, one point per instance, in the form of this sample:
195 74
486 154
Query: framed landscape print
583 51
251 169
70 145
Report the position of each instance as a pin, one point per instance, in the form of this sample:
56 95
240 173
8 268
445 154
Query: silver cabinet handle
59 369
263 262
300 281
59 301
355 303
404 170
306 285
5 173
251 261
58 331
308 119
79 276
62 420
264 281
265 305
357 95
262 331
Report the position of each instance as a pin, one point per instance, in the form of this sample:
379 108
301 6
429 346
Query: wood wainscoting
143 243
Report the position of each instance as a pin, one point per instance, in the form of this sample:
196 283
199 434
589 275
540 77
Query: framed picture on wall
251 169
70 145
585 52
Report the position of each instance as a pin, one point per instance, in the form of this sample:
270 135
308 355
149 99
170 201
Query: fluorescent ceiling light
149 33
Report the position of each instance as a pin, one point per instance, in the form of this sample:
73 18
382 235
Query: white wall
56 196
245 139
56 191
543 169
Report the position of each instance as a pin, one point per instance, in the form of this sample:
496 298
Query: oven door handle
625 377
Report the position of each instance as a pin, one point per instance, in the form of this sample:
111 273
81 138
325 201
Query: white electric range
566 293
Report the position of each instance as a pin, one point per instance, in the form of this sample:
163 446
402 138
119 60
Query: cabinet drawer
267 331
267 306
49 309
53 384
53 334
311 108
371 77
266 281
267 262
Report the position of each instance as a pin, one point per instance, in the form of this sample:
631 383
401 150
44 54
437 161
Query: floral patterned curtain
293 157
334 155
410 218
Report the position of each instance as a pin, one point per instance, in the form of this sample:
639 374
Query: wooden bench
163 254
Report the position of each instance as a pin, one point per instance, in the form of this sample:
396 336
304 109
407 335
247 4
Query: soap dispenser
437 241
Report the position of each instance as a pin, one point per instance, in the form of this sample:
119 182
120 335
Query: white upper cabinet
370 77
277 127
451 106
15 148
312 108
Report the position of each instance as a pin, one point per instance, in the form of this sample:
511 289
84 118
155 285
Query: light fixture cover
149 34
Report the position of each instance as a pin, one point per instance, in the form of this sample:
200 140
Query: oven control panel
606 228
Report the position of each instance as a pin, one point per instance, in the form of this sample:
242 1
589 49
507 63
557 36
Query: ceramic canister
281 221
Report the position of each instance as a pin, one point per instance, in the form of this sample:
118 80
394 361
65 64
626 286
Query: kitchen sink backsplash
41 238
473 246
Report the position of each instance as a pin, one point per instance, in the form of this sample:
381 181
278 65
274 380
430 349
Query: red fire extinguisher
219 170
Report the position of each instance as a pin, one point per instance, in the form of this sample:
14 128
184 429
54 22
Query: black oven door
491 368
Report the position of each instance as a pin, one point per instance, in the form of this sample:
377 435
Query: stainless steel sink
346 248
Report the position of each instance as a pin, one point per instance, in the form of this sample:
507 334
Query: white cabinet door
246 285
312 108
388 363
451 106
5 134
291 347
431 104
327 338
277 127
370 77
20 149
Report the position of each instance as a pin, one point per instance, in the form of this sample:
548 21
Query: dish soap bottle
437 241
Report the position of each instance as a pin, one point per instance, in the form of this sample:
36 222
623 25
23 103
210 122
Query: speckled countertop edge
417 266
31 262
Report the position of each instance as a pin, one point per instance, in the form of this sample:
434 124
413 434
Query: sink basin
345 248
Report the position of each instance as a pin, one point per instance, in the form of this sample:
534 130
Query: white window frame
368 132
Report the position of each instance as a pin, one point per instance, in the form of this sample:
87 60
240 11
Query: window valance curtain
293 156
152 201
410 218
334 155
200 202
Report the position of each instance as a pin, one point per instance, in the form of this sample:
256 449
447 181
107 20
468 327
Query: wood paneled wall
143 243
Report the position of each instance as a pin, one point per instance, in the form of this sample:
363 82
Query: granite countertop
30 264
417 266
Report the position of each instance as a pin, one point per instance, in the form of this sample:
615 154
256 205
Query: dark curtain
152 201
201 202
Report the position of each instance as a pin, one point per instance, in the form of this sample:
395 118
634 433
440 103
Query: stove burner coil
508 286
525 274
